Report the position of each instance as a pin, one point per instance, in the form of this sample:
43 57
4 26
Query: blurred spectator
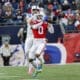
57 10
22 5
70 1
49 4
33 2
3 1
6 3
77 22
19 16
64 20
63 23
1 14
69 13
13 10
5 51
8 12
28 1
60 1
73 5
50 12
56 5
41 5
65 5
14 4
78 3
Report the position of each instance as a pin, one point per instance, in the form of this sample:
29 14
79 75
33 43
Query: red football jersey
41 31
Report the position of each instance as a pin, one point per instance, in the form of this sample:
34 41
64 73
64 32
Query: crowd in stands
63 12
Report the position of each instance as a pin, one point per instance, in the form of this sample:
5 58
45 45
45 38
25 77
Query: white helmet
35 7
40 16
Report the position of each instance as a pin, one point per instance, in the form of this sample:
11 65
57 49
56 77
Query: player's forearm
35 26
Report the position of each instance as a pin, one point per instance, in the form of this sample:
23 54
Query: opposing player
29 38
39 28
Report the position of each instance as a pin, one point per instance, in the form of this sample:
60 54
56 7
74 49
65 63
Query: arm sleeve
50 28
35 26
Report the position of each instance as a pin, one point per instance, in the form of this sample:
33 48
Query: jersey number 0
40 30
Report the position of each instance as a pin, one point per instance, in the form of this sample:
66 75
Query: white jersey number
40 30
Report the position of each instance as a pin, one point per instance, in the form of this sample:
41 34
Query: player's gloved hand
45 18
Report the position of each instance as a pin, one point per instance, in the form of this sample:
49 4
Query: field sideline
50 72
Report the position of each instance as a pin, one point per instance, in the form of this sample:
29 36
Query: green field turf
50 72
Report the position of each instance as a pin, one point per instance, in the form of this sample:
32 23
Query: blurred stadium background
63 46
